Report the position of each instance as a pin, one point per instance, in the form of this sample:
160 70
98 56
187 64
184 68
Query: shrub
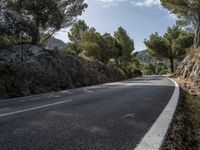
6 41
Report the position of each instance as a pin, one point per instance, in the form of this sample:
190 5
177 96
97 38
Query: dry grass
187 85
169 75
193 106
184 133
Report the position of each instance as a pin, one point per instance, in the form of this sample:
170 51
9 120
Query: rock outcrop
47 71
190 68
23 52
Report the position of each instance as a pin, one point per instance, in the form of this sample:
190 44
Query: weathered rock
25 52
190 68
52 71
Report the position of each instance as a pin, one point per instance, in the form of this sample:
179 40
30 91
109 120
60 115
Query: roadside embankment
189 71
184 133
44 71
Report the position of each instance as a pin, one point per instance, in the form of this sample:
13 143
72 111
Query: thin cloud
172 16
139 3
147 3
136 3
108 3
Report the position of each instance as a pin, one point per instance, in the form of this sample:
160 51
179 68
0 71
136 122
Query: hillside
151 65
143 56
55 43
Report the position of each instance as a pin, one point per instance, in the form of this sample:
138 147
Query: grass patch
184 133
169 75
193 106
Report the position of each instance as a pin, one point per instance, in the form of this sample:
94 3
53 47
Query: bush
6 41
163 72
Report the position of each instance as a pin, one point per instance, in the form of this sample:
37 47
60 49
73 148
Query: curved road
113 116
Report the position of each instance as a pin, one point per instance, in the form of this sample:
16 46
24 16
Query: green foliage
155 68
133 68
71 48
172 45
6 41
91 44
158 46
149 69
189 13
103 48
184 41
75 36
151 65
87 42
127 45
76 31
35 16
111 48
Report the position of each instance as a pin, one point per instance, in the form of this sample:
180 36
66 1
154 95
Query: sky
140 18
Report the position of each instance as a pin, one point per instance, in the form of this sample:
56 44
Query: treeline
151 65
177 41
86 42
173 45
35 22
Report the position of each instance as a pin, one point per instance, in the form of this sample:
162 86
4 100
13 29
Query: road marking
34 108
89 91
131 115
155 136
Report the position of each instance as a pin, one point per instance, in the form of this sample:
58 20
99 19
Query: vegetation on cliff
32 61
49 71
188 14
88 43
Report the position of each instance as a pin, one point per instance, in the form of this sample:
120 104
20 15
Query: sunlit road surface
113 116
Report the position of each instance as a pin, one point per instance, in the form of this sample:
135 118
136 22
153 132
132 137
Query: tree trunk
22 53
172 65
197 37
35 36
49 35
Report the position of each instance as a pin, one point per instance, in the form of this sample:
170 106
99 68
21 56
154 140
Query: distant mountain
55 43
143 56
151 65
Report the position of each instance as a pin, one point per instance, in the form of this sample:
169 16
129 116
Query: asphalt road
112 116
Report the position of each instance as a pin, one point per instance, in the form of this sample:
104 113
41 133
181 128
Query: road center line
34 108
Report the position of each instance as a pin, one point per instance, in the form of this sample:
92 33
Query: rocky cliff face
190 68
51 71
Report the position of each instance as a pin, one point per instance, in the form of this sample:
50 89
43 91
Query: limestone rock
190 68
46 71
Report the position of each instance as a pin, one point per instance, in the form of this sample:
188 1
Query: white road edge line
156 135
34 108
